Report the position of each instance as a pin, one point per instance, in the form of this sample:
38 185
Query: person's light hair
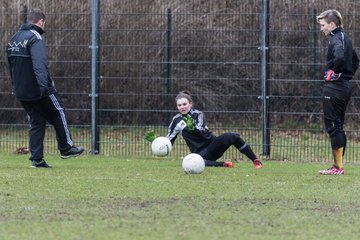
331 16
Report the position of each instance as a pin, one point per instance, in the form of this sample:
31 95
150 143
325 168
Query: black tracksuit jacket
27 59
341 57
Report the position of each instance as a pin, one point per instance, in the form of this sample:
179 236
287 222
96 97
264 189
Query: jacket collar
32 26
336 30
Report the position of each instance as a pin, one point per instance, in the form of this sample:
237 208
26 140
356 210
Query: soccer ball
193 164
161 146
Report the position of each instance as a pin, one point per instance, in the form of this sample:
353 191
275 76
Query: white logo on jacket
15 46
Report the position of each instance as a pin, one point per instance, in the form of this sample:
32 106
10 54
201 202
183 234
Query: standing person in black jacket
342 63
35 89
192 125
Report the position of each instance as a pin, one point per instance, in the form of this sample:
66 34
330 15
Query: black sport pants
335 101
48 109
220 144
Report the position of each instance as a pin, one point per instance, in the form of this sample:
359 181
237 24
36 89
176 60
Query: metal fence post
264 79
25 13
94 77
314 67
169 59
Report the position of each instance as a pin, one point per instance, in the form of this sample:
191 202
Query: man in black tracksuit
342 63
35 89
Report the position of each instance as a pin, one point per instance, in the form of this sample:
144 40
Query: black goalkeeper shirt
196 140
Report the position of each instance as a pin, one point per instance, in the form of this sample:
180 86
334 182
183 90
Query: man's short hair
35 15
331 16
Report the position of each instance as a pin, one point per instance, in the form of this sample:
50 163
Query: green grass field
95 197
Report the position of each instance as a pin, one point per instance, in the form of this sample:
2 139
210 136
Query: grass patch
96 197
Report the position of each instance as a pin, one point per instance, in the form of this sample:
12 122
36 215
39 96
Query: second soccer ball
193 164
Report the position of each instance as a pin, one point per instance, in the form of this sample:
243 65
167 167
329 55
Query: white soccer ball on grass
161 146
193 164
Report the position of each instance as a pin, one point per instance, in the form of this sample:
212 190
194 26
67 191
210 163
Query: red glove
330 75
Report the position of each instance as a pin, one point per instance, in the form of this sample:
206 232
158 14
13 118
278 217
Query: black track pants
48 109
220 144
335 101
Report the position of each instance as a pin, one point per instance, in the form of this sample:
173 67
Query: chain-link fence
151 50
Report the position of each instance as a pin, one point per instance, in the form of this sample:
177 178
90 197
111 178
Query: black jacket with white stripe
341 57
196 140
27 59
